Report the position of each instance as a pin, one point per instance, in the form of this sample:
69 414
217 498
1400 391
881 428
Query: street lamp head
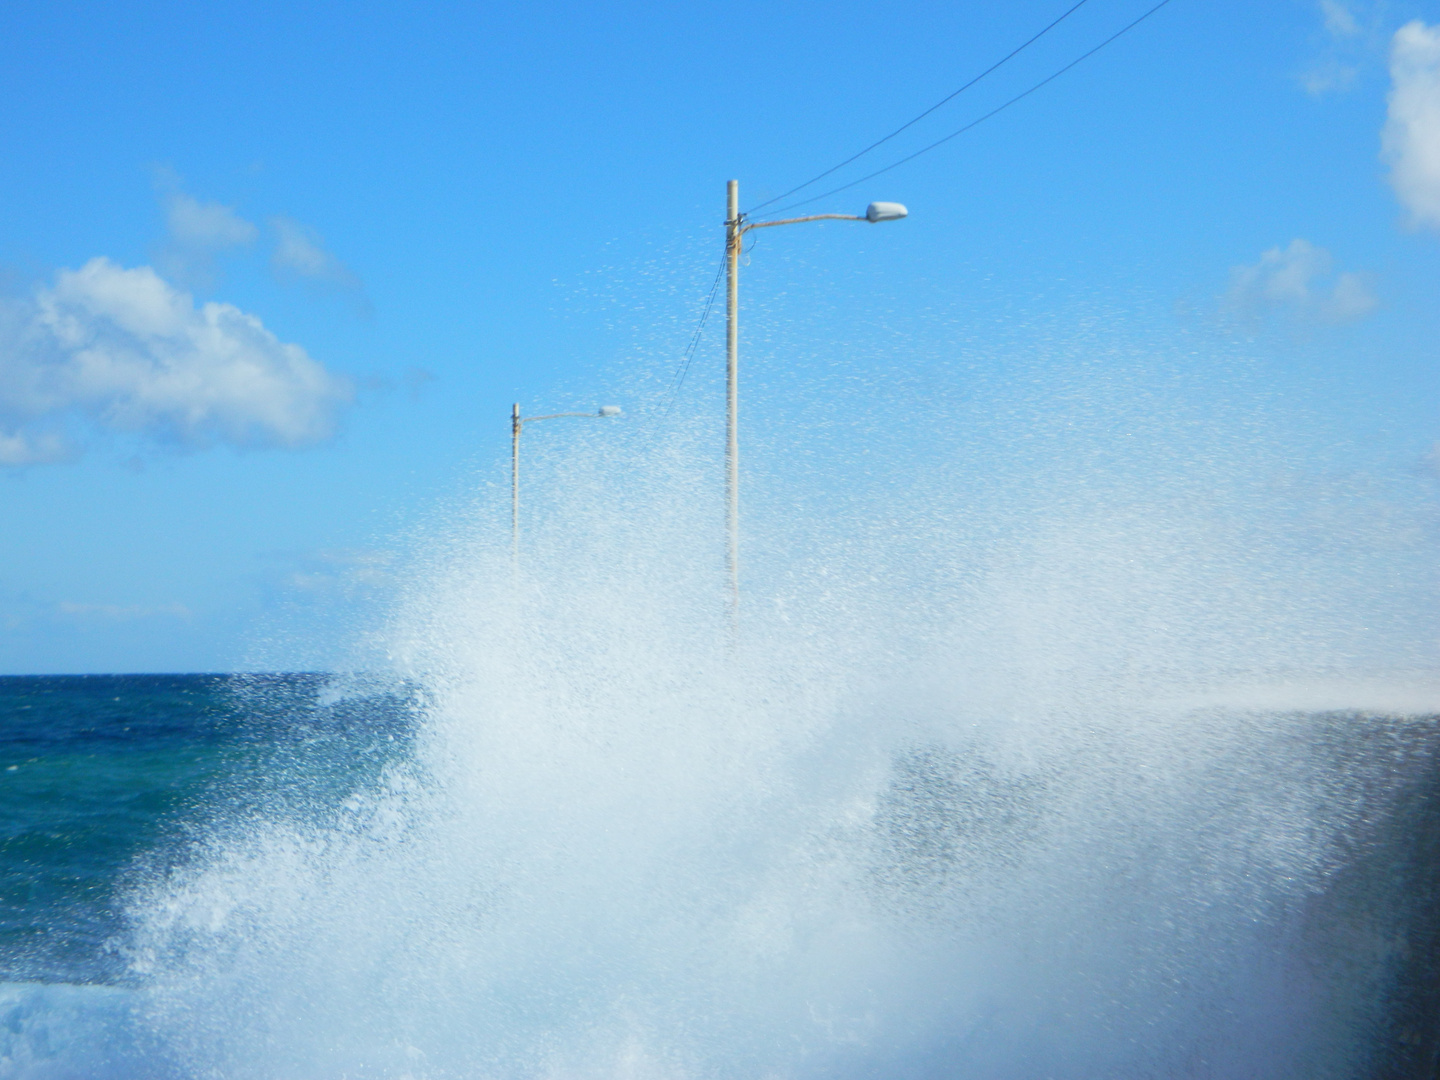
609 410
885 211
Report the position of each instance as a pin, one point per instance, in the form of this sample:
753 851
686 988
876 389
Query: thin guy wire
689 356
974 123
910 123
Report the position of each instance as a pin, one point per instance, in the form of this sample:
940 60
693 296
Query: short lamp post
517 425
735 229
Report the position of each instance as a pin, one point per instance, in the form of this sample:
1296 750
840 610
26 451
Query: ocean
112 785
110 781
1133 782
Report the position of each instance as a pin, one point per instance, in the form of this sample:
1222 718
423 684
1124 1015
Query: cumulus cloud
1411 139
127 350
1298 281
195 232
300 254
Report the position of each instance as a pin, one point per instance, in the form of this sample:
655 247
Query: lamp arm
797 220
553 415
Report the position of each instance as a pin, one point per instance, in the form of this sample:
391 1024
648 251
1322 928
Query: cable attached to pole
688 357
915 120
975 123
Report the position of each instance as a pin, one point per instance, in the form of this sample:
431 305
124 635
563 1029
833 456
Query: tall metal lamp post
735 229
517 424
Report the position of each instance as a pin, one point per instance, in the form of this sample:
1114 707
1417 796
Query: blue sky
337 241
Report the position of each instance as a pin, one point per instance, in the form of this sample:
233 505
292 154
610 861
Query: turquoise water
108 779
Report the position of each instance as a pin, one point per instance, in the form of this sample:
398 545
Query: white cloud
196 232
1329 74
1411 139
345 571
300 253
132 353
1350 299
1298 280
317 579
33 448
1352 40
1339 19
206 225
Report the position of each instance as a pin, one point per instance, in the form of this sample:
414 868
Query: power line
915 120
689 355
974 123
688 358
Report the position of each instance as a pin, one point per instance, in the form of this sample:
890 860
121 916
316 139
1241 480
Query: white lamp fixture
885 211
736 226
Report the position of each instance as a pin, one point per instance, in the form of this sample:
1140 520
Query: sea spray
1053 778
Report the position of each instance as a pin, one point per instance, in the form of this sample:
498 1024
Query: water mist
1083 769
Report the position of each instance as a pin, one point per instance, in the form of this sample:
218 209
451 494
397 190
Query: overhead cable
975 123
689 355
915 120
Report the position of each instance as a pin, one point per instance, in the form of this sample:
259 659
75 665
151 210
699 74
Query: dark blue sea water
105 779
110 782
